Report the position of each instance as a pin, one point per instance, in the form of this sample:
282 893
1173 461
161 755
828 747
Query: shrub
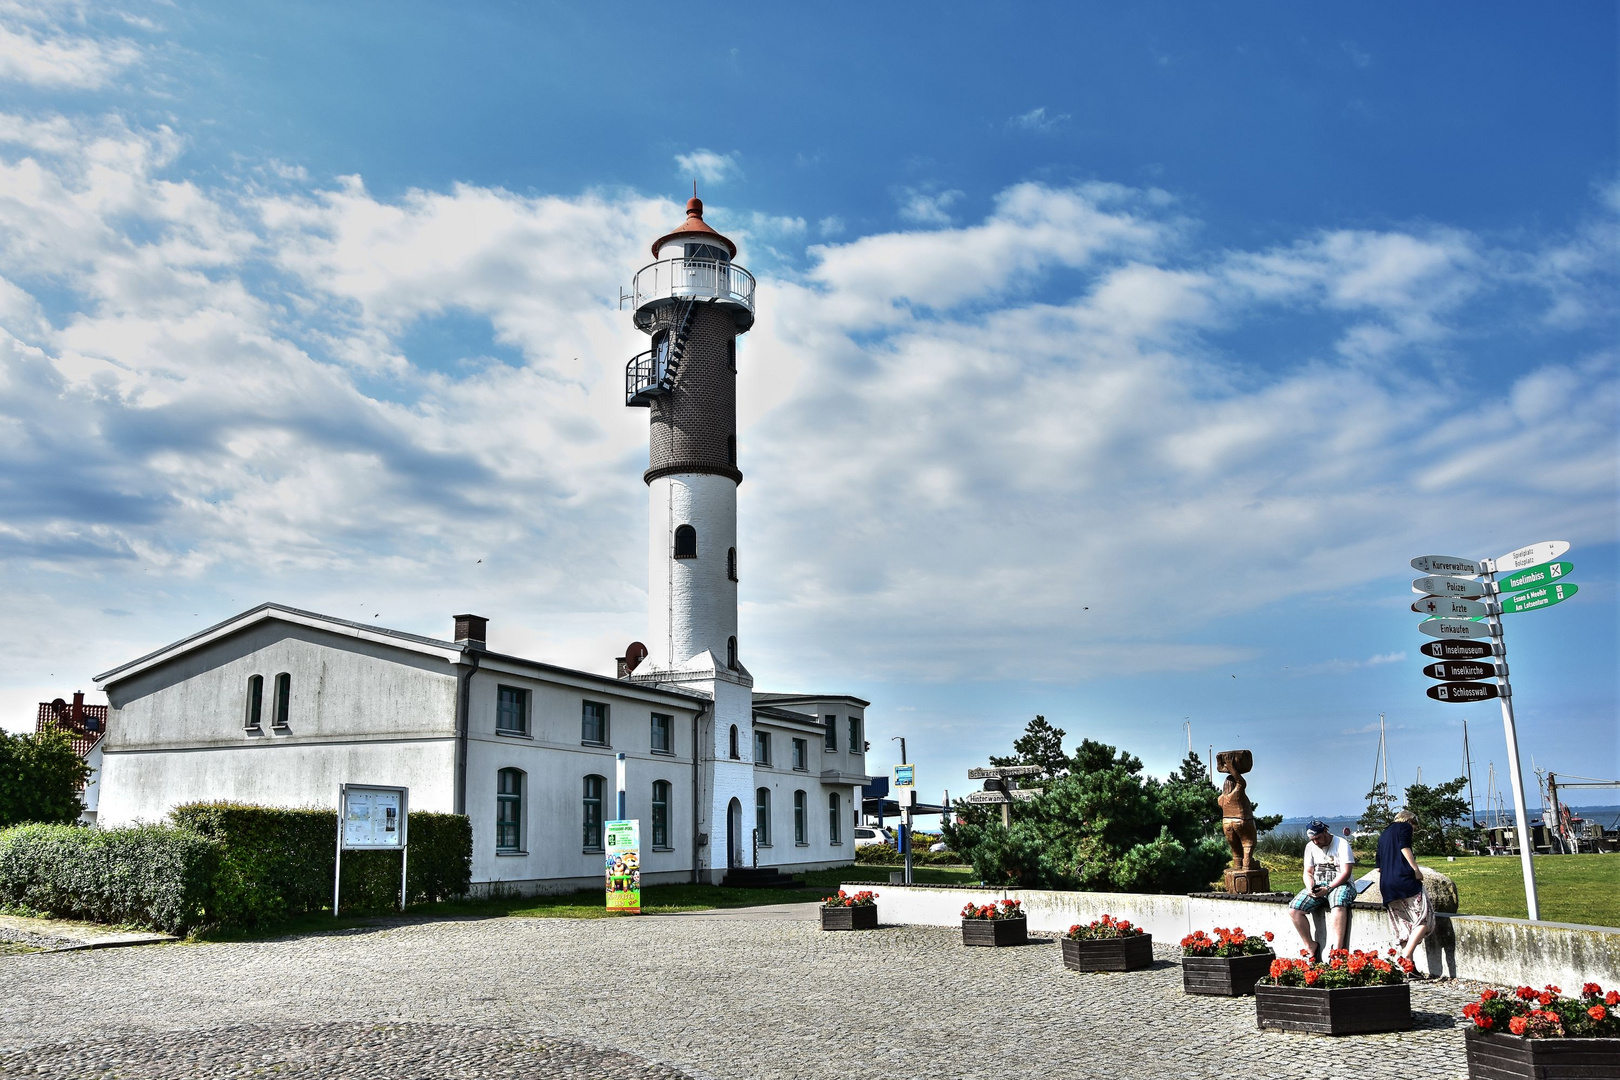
40 778
1291 842
154 875
276 862
888 855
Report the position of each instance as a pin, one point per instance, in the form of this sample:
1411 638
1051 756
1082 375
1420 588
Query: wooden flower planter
995 932
1224 976
1108 954
1345 1010
849 918
1502 1056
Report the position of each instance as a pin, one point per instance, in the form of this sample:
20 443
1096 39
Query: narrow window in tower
731 354
660 355
731 653
685 542
731 563
731 449
734 754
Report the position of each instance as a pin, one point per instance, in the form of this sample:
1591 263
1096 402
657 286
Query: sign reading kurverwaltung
623 843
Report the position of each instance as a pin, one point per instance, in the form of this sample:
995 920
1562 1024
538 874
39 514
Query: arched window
731 563
509 810
660 814
283 692
801 818
685 542
255 703
593 812
731 653
835 819
762 816
731 449
734 754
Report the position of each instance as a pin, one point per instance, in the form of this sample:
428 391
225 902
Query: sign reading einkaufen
1458 628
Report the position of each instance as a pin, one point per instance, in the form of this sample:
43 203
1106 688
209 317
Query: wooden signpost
1001 787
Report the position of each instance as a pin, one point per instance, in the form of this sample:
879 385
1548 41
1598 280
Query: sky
1112 361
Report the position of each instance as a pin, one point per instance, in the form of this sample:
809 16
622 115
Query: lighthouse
694 302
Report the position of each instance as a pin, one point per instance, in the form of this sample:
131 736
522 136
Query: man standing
1328 863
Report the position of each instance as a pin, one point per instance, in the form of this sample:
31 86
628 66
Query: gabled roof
448 651
762 698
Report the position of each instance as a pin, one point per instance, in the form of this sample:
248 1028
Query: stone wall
1502 951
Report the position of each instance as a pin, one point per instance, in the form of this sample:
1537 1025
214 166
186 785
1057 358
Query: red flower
1269 936
1487 995
1312 977
1545 998
1407 965
1612 998
1517 1025
1279 968
1597 1012
1525 993
1484 1021
1471 1009
1591 990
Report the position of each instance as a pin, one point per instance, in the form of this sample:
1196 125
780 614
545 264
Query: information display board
905 776
623 844
373 817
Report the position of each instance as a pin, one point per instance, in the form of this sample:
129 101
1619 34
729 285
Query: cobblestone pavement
733 996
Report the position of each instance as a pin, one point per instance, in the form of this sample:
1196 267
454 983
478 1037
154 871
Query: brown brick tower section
694 427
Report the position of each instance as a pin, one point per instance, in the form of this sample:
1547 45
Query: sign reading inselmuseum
1455 692
1458 650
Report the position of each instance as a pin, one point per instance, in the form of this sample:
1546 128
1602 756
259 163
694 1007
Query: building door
734 828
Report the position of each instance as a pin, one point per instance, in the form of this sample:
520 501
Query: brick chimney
470 630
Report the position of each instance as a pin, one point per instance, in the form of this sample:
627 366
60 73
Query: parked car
871 834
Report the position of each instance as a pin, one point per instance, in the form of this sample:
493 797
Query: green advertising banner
623 843
1545 596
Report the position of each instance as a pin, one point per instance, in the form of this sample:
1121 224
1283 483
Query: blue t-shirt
1396 881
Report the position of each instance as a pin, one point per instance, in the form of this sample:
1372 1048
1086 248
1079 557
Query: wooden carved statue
1237 823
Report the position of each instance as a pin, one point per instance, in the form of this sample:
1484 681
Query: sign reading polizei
1546 596
1440 585
1544 574
1458 650
1455 692
1460 670
1449 607
1457 628
1447 564
1544 551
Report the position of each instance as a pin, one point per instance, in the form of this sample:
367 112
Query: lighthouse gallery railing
687 278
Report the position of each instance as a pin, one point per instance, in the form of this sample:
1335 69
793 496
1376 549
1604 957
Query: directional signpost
1469 627
1001 786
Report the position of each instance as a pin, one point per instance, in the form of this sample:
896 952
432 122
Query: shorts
1342 896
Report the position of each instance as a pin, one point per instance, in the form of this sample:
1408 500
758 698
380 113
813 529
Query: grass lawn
1572 888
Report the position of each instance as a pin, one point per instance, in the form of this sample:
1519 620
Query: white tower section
694 301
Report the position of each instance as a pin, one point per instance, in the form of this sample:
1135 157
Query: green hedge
277 862
887 855
155 875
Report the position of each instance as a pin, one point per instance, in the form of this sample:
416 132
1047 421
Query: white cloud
924 208
34 50
1037 119
708 166
830 226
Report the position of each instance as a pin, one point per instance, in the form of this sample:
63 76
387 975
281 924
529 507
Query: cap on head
1315 829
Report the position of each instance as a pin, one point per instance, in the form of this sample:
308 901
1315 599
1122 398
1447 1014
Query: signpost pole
1531 902
911 799
337 872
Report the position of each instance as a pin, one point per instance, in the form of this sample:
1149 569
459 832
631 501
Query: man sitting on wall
1328 863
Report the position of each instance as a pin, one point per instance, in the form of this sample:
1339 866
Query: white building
278 706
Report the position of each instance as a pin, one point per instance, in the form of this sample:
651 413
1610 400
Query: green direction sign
1546 596
1545 574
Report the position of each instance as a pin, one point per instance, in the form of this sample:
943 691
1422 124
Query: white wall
358 713
691 603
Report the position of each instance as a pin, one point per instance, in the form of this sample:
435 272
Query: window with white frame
835 819
762 747
801 754
831 723
254 718
855 744
509 810
801 818
283 700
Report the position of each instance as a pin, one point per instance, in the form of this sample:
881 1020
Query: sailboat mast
1468 769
